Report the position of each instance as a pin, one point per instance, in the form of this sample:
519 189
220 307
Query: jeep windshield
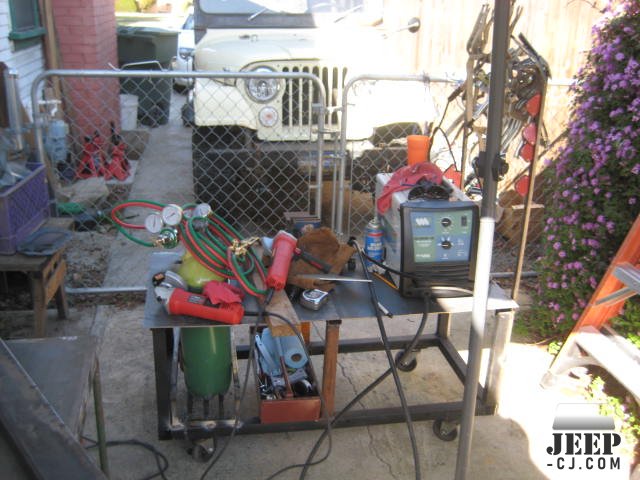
286 13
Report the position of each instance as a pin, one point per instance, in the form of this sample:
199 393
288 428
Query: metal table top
347 300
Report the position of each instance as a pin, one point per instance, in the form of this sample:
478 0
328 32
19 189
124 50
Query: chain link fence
114 136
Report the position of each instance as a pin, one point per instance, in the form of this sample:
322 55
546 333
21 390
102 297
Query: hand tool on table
332 278
268 245
178 301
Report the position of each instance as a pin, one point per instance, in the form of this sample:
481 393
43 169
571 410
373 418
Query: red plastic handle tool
182 302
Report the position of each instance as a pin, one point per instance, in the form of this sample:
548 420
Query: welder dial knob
445 222
172 215
153 223
446 244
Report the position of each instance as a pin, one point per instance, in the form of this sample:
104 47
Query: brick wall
87 40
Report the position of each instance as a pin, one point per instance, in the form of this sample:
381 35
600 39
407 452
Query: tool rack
349 300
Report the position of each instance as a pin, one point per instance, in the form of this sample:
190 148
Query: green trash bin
146 48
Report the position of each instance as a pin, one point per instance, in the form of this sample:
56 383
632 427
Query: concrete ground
509 445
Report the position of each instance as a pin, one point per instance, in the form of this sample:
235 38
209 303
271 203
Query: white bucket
128 112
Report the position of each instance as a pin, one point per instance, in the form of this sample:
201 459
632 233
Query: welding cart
349 301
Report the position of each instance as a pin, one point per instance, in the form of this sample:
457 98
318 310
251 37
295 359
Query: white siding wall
28 62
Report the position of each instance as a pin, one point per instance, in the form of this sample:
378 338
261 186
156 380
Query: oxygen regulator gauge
202 210
153 223
172 215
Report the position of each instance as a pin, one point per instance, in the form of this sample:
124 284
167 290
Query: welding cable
412 344
432 288
161 461
238 404
394 371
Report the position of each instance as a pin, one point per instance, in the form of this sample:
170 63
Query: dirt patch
87 258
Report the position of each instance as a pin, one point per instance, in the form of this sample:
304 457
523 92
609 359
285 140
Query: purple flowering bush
593 182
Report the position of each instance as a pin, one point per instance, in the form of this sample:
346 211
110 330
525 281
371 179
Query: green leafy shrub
594 180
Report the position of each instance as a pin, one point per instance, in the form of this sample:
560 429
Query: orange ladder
592 341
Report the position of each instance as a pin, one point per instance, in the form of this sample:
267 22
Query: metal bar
104 290
449 411
529 200
161 354
13 109
498 356
454 359
360 345
499 48
100 431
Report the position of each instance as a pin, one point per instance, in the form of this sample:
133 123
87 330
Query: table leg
162 353
498 356
332 335
61 298
443 328
97 401
305 330
38 297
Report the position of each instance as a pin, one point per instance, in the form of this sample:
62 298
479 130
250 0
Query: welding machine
431 241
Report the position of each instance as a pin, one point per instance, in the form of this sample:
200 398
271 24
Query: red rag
405 178
221 292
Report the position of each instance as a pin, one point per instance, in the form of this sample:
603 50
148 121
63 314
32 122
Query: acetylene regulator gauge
202 210
172 215
153 223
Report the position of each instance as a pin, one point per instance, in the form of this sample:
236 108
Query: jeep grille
299 95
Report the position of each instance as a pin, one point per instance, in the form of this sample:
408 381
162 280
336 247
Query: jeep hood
233 50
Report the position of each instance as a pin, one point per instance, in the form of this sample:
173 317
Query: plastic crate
23 209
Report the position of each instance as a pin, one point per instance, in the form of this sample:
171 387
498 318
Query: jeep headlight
185 52
262 90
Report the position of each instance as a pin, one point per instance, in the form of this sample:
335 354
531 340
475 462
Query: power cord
161 460
393 370
376 382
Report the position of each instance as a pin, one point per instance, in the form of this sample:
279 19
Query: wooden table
46 275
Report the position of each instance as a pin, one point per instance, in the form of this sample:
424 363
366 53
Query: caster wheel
200 453
408 367
445 431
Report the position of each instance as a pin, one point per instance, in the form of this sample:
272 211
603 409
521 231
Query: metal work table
349 300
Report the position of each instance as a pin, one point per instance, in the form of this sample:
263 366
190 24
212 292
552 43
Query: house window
26 28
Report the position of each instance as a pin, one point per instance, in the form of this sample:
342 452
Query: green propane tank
206 351
206 360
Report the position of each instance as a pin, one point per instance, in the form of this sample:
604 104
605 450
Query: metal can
373 243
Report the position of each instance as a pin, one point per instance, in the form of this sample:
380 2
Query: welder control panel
440 235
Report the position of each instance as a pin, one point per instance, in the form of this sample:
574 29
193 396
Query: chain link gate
384 151
249 178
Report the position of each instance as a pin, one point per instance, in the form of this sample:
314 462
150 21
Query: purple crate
23 209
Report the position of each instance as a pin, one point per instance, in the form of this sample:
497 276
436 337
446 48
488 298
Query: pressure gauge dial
172 215
202 210
153 223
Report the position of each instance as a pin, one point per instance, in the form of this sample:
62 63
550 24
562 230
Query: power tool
178 301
